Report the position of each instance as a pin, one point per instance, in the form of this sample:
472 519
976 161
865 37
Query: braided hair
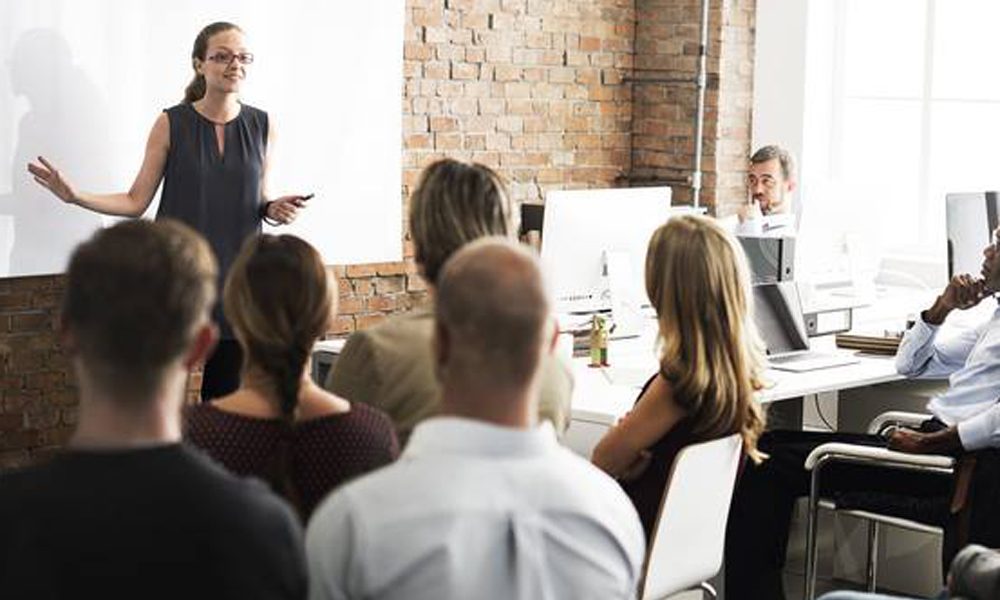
278 297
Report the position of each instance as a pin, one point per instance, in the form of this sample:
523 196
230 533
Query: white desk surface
334 346
602 395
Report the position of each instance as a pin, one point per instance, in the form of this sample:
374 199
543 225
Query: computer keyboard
811 361
793 358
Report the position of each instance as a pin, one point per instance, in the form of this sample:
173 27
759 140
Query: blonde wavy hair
698 281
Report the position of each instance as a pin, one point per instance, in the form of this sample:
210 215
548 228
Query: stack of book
885 343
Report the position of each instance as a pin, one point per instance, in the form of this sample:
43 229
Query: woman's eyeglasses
227 58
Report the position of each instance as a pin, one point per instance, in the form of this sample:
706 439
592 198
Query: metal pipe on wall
699 120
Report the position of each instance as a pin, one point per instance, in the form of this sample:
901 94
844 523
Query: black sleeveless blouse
219 195
646 491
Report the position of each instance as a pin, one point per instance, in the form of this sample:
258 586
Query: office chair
834 452
690 532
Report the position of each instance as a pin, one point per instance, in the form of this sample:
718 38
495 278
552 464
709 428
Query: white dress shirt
473 510
971 362
774 225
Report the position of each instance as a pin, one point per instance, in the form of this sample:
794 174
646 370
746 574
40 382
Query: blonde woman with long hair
711 361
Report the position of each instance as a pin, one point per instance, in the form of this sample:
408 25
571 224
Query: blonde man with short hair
389 366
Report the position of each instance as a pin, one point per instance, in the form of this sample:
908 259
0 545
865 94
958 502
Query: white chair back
689 536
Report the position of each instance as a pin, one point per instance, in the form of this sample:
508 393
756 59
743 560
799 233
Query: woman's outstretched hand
284 210
49 177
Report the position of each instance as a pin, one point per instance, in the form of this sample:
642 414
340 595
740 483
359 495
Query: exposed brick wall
539 89
732 139
38 409
667 44
531 87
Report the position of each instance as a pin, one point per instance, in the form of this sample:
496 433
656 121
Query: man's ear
791 184
550 348
202 346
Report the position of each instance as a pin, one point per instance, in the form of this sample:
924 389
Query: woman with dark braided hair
279 425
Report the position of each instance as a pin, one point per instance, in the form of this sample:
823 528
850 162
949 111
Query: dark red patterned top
326 451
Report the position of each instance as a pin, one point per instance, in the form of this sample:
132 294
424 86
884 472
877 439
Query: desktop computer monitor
971 219
583 227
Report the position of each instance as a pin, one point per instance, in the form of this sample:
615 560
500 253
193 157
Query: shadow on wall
67 122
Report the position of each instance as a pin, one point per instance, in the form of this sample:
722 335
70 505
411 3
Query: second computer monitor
582 226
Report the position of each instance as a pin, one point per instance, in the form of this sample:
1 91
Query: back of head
279 300
455 203
136 294
492 304
699 283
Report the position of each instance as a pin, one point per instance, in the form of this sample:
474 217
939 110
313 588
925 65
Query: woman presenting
212 154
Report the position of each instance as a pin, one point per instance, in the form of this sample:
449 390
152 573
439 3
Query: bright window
915 114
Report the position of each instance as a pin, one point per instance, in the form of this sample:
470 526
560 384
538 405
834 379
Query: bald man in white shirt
483 502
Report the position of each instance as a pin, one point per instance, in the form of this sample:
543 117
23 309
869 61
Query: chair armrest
853 453
896 418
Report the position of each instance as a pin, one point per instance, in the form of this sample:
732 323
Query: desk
602 395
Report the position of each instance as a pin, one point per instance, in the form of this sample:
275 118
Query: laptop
778 314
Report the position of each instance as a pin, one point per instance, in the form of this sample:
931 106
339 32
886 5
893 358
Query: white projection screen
81 82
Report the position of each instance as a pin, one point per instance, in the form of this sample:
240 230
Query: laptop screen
778 314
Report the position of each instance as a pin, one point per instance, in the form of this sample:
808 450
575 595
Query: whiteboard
81 82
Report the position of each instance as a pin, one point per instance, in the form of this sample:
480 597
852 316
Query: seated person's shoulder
374 493
586 484
232 499
399 332
370 419
585 490
367 425
21 485
388 364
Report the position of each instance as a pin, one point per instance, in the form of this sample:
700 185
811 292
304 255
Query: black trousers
221 374
765 495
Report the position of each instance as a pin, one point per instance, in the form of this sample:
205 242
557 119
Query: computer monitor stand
626 299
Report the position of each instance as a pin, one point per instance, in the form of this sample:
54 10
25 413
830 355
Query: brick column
665 100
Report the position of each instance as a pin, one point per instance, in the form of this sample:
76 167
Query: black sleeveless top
218 195
646 491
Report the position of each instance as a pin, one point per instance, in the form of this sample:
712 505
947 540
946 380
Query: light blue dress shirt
971 362
473 510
